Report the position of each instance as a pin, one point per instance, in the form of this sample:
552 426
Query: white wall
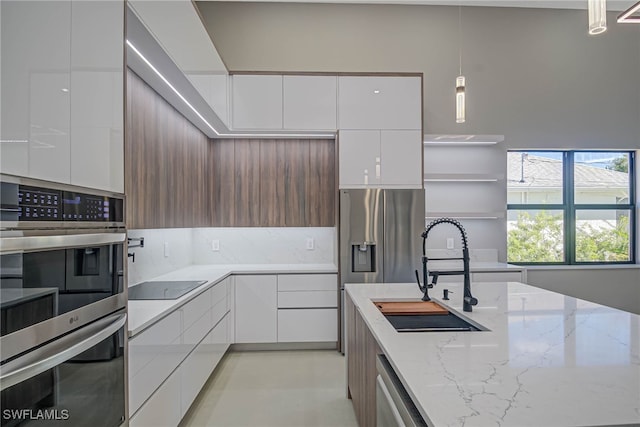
533 75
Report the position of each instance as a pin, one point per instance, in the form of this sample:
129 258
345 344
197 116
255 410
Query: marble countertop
144 313
547 359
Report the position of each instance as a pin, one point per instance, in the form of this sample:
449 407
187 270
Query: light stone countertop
144 313
547 359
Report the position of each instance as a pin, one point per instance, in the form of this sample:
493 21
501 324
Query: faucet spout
468 301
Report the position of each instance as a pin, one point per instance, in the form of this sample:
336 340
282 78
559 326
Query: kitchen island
545 360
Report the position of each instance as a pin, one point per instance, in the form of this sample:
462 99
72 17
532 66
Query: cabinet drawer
145 382
302 299
162 409
506 276
308 325
194 309
219 291
194 333
143 347
218 311
307 282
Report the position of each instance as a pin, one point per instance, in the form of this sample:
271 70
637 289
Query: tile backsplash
186 246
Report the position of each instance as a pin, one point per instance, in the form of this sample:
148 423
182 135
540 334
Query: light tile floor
275 388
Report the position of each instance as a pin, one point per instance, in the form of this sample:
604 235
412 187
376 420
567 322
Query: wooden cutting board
410 307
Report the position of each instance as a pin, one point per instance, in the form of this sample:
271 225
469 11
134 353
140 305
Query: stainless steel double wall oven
63 305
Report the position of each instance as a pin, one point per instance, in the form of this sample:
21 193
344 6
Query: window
570 207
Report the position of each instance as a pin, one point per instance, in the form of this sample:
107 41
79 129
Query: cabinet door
257 102
359 158
97 102
401 154
310 102
366 102
35 106
310 325
256 312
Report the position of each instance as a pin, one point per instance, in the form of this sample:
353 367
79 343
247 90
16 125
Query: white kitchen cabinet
257 102
359 158
401 158
97 98
153 355
162 408
310 102
36 105
379 102
62 115
214 88
256 308
307 308
380 158
199 365
308 325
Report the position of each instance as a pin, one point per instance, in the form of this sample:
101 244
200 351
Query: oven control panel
24 203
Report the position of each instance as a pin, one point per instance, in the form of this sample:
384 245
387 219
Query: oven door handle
59 241
59 351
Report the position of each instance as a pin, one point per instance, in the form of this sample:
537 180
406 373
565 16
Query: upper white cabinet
379 102
35 89
97 99
257 102
62 112
380 158
310 102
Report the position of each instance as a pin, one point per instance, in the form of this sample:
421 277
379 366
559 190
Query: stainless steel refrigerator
380 237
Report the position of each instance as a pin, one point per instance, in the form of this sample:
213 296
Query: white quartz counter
548 359
144 313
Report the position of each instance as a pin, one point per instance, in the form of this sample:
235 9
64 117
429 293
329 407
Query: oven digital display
85 207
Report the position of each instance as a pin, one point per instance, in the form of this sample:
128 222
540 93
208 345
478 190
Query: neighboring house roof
543 172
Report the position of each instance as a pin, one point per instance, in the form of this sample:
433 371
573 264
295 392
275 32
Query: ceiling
612 5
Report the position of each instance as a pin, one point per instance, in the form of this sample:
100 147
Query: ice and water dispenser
363 257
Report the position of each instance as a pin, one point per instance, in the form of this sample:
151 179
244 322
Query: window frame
569 207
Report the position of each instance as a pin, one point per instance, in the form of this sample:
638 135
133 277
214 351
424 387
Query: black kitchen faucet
468 301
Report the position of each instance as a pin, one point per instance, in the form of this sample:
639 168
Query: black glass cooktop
163 290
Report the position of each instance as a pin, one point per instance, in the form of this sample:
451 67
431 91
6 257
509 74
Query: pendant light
460 80
597 16
629 16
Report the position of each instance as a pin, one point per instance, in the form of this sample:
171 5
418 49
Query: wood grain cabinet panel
177 177
221 201
272 183
296 177
247 183
321 189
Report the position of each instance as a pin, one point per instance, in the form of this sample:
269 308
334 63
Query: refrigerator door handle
59 351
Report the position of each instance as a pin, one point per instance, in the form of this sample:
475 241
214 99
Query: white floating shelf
462 177
431 139
464 215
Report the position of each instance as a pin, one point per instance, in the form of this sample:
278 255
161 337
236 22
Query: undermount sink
430 323
421 316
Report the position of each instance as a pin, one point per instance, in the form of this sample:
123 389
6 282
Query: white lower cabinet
256 309
308 325
199 365
170 361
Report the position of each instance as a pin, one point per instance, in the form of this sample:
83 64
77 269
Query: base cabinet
308 325
256 308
